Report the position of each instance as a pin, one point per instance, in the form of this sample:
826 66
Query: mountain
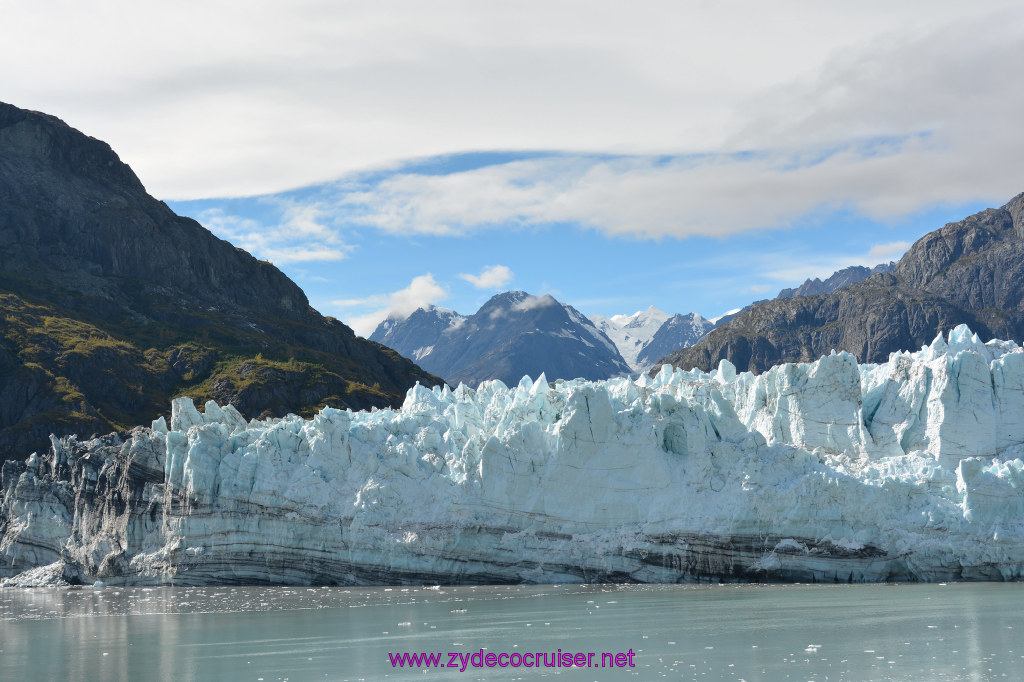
512 335
112 305
968 272
416 335
679 331
827 472
632 333
836 280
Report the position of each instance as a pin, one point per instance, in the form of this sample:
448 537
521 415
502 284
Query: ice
830 471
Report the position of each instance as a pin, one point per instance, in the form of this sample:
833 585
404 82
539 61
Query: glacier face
829 471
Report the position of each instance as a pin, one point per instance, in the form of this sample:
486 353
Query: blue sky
683 154
356 271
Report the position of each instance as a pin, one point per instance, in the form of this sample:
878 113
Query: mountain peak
512 334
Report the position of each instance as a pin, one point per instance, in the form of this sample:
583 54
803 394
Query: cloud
793 269
491 277
300 235
422 291
882 130
534 302
883 253
289 94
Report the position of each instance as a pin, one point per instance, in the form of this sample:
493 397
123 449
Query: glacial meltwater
962 631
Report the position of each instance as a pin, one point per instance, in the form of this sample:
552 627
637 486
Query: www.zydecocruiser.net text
462 660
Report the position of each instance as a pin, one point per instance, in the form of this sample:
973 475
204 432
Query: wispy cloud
791 269
882 130
883 253
300 234
491 277
534 302
422 291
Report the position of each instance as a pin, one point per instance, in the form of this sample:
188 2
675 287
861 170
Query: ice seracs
828 471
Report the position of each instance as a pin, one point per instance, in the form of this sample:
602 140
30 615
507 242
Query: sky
694 156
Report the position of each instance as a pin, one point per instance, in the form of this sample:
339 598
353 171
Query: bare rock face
970 272
828 472
112 305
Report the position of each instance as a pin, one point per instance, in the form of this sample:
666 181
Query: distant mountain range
112 305
970 272
513 334
441 341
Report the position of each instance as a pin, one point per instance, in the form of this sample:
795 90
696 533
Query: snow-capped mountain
647 335
631 333
823 472
679 331
414 336
513 334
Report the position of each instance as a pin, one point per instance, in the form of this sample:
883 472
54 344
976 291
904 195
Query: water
720 632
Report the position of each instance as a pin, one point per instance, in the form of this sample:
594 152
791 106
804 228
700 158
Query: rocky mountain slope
968 272
416 335
512 334
111 305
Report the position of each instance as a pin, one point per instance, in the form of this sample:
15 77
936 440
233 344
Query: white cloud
491 277
794 269
883 130
422 291
217 102
534 302
300 236
883 253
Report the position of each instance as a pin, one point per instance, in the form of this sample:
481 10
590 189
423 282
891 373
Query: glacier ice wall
828 471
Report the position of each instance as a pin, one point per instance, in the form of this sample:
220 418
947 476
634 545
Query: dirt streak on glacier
829 471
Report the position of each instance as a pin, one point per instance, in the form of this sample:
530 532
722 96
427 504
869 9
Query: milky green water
727 632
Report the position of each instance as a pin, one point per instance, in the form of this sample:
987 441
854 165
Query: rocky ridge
969 272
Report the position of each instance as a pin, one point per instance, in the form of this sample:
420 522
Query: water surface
695 632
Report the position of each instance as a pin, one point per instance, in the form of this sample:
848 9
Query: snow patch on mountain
631 333
679 331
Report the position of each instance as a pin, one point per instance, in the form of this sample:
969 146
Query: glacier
830 471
